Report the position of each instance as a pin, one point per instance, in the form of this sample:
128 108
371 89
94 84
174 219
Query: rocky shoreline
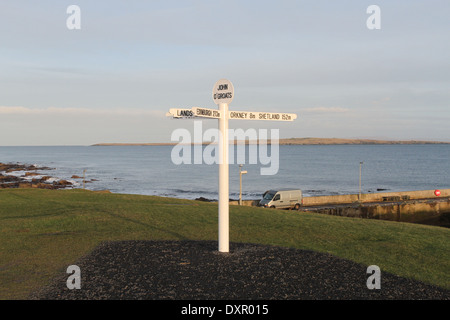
30 178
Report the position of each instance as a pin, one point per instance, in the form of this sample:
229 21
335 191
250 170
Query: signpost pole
223 180
240 184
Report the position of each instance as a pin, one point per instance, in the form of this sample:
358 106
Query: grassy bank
44 231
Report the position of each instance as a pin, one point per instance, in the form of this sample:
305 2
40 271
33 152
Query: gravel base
195 270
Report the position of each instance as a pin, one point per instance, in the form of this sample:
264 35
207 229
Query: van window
277 197
268 196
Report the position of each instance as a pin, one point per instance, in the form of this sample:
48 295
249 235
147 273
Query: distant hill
301 141
329 141
133 144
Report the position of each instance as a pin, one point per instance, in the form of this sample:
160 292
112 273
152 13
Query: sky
114 79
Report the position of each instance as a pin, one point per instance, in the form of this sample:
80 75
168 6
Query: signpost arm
223 180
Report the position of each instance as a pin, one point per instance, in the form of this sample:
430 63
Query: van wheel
297 206
272 207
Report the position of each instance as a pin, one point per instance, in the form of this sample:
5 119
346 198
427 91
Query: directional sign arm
206 113
180 113
255 115
195 112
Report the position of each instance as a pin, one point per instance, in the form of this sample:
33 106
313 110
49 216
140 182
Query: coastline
11 177
295 141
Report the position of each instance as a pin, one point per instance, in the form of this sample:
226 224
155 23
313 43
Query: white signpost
223 94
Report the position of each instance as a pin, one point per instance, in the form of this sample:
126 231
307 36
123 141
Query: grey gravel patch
195 270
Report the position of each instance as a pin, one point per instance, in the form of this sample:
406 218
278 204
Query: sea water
317 170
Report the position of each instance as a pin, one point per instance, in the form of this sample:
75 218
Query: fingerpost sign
223 94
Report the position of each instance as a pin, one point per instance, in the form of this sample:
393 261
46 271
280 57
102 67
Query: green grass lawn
44 231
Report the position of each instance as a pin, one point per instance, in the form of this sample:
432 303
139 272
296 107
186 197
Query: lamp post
360 172
240 183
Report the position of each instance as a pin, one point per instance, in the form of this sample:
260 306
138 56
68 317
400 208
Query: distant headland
299 141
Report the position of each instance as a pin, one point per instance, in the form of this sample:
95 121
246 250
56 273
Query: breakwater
422 207
375 197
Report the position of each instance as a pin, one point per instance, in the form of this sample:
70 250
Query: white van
282 199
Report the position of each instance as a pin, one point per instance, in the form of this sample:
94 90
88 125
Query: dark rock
9 181
62 183
28 174
204 199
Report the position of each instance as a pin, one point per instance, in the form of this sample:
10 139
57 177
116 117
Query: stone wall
410 206
374 197
431 211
